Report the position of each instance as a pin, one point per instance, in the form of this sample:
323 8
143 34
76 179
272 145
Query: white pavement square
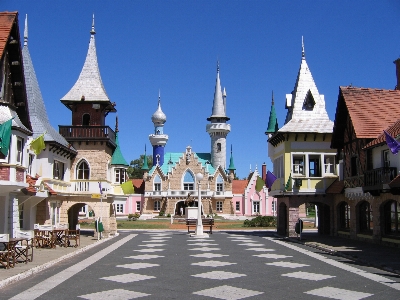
340 294
155 241
273 256
117 294
137 266
209 255
308 276
125 278
260 249
286 264
149 250
252 245
219 275
151 245
227 292
203 244
205 249
145 256
213 263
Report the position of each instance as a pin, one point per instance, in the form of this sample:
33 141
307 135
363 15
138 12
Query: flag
270 179
127 187
5 136
259 184
394 145
38 145
289 183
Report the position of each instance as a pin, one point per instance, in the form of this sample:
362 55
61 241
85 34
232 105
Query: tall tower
218 129
158 139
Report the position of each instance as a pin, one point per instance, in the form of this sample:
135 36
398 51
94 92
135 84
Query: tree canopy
135 168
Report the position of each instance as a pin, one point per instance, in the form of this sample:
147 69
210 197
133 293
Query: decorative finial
273 102
159 97
303 55
26 31
116 124
217 65
144 148
93 31
231 149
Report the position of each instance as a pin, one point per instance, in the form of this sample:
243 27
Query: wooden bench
206 223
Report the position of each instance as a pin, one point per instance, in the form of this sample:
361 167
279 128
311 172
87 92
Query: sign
96 196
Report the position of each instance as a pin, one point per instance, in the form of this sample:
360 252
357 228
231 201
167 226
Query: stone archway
73 215
282 219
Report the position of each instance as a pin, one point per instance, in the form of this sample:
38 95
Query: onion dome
159 118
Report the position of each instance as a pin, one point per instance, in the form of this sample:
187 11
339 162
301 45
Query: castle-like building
171 184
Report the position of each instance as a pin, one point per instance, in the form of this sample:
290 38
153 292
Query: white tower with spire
218 129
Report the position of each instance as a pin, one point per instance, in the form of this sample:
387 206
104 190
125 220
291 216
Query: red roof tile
371 110
138 184
336 187
393 130
6 22
238 186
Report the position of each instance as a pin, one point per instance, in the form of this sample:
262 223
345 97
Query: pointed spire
231 164
117 157
92 31
273 121
218 109
26 31
303 55
145 166
159 118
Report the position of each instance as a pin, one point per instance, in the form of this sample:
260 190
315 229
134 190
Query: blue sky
173 46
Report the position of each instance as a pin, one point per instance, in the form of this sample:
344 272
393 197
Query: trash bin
298 228
90 214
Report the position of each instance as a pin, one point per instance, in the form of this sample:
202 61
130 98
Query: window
344 216
237 206
58 170
256 207
86 120
273 204
329 164
309 101
298 164
137 205
392 218
83 209
120 208
157 205
157 183
218 147
220 184
82 171
30 164
366 219
314 166
120 175
20 147
219 205
188 181
386 158
21 216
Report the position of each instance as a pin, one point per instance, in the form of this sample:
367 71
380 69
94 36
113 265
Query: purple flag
270 179
394 145
101 190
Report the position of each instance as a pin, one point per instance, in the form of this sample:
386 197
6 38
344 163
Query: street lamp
199 225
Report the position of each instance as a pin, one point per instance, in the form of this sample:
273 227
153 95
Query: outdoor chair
7 252
72 235
24 247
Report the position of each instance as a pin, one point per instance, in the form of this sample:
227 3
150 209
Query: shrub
261 221
169 215
133 217
161 213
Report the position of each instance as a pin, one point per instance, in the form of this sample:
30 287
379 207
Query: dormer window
157 183
309 101
120 175
220 184
188 181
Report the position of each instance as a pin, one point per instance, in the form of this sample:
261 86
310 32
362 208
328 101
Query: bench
206 223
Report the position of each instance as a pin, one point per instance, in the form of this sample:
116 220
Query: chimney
397 63
264 172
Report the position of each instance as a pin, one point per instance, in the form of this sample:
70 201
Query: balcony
379 179
354 181
85 133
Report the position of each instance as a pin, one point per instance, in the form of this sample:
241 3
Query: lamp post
199 225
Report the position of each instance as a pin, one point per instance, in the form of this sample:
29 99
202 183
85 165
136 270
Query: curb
40 268
340 254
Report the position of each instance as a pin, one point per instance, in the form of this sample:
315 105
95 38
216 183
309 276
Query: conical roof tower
117 157
273 121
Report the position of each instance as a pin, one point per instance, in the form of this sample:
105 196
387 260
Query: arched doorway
282 219
365 217
324 218
73 214
391 218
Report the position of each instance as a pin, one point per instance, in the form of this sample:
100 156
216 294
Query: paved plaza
226 265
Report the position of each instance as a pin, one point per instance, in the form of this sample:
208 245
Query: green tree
135 169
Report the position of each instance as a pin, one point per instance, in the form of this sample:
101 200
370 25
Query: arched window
220 184
82 170
86 120
392 218
157 183
218 147
344 216
188 181
366 219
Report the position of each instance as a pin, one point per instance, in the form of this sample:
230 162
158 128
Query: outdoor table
10 247
58 237
19 251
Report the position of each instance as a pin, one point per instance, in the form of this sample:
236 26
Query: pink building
247 201
134 203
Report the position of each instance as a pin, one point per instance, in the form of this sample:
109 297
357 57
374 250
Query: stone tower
158 139
218 129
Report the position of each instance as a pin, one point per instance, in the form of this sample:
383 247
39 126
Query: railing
354 181
87 132
379 176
